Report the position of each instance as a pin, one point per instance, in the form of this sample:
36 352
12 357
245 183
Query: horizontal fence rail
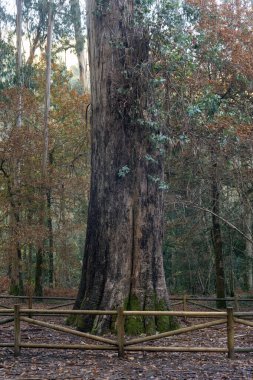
184 300
121 343
198 301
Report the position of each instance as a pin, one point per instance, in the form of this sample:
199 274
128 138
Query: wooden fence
121 343
183 300
29 299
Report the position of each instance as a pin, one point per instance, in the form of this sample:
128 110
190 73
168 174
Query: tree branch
188 203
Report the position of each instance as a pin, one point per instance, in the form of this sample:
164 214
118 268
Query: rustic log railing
184 300
121 343
198 301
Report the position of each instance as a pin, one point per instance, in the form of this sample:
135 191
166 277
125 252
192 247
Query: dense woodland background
201 83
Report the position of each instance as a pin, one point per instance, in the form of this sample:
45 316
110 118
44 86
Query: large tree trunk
123 262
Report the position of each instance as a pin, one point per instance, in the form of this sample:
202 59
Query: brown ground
34 364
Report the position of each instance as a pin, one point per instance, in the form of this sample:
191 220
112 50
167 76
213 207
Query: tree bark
123 263
16 283
50 239
16 273
38 285
249 246
81 52
45 189
19 4
217 238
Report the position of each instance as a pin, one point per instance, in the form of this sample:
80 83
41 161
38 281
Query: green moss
164 323
134 325
150 322
80 322
71 320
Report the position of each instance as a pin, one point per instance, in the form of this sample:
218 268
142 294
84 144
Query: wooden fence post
120 331
17 332
230 332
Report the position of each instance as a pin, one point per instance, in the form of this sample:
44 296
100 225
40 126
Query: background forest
202 94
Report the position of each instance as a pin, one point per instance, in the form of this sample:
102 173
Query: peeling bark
81 52
122 262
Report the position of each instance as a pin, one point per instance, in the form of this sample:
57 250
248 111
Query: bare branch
190 204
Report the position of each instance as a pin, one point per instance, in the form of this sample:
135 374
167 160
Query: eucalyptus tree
123 262
12 175
81 52
45 162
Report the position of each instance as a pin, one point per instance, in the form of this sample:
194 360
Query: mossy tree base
134 325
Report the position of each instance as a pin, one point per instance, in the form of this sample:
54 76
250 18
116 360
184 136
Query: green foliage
123 171
8 64
35 13
102 7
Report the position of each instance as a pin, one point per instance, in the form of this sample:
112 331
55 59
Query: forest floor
41 364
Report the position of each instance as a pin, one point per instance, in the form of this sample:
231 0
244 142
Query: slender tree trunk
30 265
16 285
19 4
63 245
35 44
50 229
48 87
40 252
38 287
249 246
50 239
232 286
123 263
81 52
16 274
217 239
